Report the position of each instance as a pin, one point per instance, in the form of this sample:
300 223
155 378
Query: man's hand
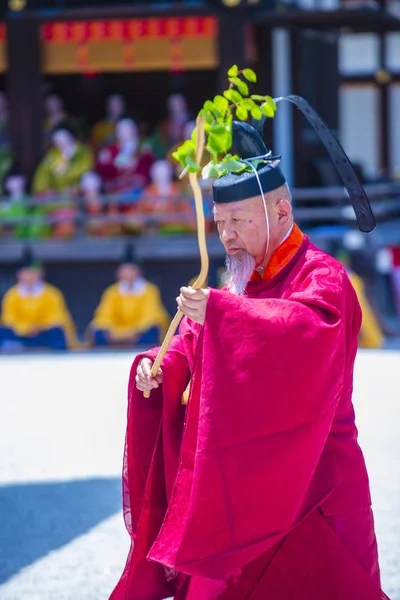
193 303
144 379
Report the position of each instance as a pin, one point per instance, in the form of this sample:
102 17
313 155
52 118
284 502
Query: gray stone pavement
62 426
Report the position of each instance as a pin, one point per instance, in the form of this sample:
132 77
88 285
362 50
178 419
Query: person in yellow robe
59 175
371 334
35 315
130 311
63 165
103 133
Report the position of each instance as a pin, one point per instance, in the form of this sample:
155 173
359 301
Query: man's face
128 274
242 225
29 277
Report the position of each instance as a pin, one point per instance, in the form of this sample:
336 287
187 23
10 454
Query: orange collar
282 255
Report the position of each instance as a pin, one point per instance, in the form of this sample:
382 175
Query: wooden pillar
24 90
232 44
383 79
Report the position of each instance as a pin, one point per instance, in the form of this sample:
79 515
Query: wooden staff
201 236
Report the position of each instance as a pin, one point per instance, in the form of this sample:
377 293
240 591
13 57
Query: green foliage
234 102
242 87
242 113
250 75
233 71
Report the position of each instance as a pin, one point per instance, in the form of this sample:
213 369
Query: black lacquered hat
263 170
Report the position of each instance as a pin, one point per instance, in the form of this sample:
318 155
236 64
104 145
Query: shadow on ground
40 517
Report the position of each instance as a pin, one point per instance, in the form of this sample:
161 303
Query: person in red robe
125 165
256 488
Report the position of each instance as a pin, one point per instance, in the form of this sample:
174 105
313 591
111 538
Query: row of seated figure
136 172
130 312
126 172
35 315
166 134
127 149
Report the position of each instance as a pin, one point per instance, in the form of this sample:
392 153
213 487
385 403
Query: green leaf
210 170
233 165
256 112
220 143
221 169
213 153
248 103
242 87
257 163
236 97
208 105
192 164
228 95
267 110
209 118
221 104
242 113
257 97
219 129
250 75
187 147
271 102
175 155
233 71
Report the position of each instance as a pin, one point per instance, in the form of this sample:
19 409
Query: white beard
239 269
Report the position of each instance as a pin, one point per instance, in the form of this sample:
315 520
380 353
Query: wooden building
344 57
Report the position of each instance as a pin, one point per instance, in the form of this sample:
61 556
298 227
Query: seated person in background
125 165
18 218
63 164
163 199
169 131
91 186
34 314
60 173
56 115
371 335
130 311
103 133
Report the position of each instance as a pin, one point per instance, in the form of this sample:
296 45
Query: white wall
358 54
394 115
359 122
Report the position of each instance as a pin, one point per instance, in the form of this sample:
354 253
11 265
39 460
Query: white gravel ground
62 426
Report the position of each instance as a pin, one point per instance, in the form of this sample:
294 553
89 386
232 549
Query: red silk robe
258 488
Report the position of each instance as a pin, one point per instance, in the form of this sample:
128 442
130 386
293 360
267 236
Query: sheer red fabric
242 494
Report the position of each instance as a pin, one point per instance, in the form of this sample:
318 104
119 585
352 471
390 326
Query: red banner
127 30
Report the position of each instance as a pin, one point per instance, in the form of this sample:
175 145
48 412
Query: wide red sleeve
269 377
152 448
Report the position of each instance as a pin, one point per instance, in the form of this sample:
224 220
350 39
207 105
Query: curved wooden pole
201 236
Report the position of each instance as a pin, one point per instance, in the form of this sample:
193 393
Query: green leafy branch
235 102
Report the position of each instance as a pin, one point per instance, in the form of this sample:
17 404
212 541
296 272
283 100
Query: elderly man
258 488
